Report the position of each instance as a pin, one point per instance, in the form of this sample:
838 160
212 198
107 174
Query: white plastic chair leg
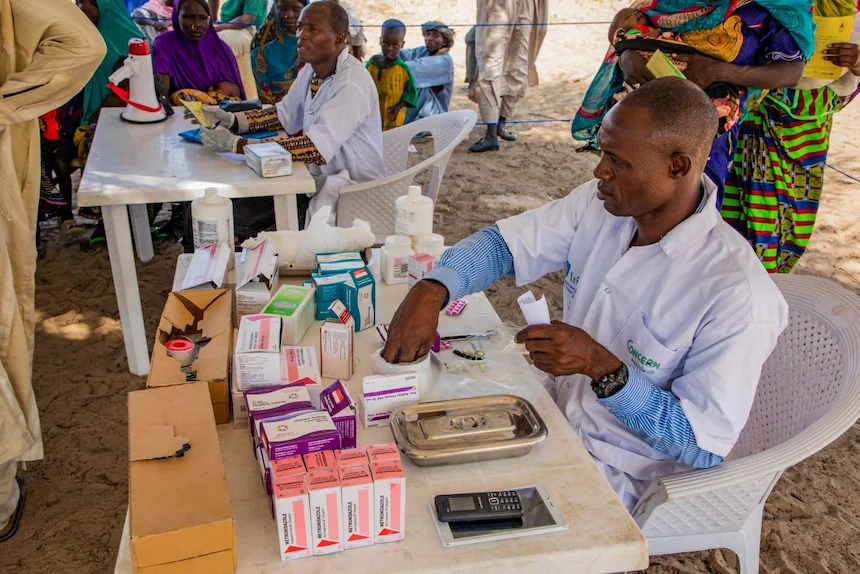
750 540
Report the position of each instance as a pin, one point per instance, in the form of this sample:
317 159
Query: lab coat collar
690 232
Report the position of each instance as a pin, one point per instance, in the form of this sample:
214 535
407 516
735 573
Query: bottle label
401 267
404 222
206 231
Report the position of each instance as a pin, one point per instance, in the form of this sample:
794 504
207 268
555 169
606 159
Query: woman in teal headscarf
274 51
743 46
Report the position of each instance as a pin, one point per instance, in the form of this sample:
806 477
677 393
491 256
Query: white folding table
602 536
131 165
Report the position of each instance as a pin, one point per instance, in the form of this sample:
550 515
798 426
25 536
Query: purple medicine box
298 433
337 402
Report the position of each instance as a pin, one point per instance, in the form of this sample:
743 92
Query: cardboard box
337 256
355 289
284 468
420 265
257 279
295 306
382 395
180 518
299 367
269 159
357 494
257 360
208 267
326 503
389 492
197 314
339 405
274 402
335 267
259 334
347 457
300 433
383 452
293 517
337 344
240 407
322 460
183 263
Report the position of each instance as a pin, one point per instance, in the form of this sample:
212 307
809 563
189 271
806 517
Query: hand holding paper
534 310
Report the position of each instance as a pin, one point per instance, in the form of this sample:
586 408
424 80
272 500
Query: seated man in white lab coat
668 314
331 112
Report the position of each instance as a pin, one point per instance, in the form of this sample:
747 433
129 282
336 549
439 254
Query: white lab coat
696 313
343 122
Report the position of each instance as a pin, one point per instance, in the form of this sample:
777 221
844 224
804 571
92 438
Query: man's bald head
337 16
683 117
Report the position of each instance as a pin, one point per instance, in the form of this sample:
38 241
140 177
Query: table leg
142 233
286 213
125 284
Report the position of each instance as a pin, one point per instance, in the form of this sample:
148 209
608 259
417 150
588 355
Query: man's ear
681 165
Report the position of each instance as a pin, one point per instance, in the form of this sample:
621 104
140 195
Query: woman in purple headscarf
193 57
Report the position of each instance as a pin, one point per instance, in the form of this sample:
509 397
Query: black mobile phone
478 506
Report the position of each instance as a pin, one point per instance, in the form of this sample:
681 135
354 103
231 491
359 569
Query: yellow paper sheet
661 66
196 108
828 31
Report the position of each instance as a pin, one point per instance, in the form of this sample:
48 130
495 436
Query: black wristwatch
611 383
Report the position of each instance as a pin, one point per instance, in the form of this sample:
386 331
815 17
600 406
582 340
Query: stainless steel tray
467 430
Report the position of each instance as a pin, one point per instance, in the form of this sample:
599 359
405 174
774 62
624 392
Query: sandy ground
77 495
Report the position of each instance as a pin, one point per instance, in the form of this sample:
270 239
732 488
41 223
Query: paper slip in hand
535 311
196 108
661 66
828 31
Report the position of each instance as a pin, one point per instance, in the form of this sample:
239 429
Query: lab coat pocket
637 347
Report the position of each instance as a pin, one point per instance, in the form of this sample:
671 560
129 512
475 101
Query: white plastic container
212 221
395 259
414 213
430 243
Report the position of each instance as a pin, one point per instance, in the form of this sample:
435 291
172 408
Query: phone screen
535 515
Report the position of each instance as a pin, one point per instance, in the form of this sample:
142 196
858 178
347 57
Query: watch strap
610 383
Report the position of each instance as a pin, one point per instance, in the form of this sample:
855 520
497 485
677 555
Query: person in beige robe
508 38
48 51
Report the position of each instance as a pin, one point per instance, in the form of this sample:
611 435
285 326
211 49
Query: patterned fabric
395 84
274 55
481 259
774 187
209 98
301 147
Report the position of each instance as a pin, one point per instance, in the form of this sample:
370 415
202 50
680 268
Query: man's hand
413 329
561 349
701 70
635 71
845 55
220 140
215 115
395 109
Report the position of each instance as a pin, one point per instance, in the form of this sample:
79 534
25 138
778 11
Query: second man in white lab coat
331 113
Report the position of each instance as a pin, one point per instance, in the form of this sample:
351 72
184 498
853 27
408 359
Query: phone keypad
504 500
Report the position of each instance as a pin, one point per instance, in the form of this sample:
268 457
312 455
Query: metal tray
467 430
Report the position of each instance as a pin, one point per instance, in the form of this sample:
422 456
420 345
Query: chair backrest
374 201
814 365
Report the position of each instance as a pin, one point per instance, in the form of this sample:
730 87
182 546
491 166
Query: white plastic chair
373 201
809 394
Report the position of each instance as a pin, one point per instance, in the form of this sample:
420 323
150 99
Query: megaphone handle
125 97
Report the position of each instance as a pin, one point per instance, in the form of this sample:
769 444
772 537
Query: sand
77 495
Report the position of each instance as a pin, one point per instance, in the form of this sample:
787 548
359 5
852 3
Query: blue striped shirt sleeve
657 417
474 263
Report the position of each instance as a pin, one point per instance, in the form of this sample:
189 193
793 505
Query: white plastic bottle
430 243
212 221
395 259
414 213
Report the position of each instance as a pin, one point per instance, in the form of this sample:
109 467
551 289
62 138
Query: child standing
393 79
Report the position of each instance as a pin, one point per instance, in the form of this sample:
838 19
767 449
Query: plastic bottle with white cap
395 259
430 243
212 221
414 213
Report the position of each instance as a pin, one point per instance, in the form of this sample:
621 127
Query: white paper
536 312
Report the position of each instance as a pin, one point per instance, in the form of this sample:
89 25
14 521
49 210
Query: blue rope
837 170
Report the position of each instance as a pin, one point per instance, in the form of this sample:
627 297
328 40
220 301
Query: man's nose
602 171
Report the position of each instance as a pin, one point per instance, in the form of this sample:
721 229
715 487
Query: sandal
70 228
95 243
483 145
506 134
15 519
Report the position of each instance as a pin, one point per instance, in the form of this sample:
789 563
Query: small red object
138 47
179 345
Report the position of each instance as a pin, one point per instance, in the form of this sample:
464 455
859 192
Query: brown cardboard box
180 515
208 314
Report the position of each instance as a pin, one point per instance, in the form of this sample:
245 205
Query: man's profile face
633 172
317 39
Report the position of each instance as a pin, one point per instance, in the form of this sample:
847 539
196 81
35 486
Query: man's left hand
219 140
561 349
701 70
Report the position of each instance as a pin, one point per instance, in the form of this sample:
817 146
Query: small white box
208 267
357 493
299 367
295 306
269 159
240 408
382 395
256 370
293 517
259 334
326 503
389 493
336 344
257 280
420 265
